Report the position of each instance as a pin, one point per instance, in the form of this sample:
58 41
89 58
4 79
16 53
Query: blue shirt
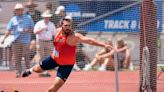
18 24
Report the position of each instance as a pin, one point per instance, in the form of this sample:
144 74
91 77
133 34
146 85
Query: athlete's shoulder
79 37
77 34
59 29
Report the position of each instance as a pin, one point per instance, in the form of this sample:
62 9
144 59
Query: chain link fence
99 19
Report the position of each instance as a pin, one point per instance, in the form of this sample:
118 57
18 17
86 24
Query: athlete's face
67 27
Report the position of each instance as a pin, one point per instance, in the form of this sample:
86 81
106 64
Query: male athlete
64 54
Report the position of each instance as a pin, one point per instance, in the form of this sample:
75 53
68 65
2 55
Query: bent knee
37 69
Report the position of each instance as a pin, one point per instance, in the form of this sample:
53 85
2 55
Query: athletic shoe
102 68
87 67
26 73
76 68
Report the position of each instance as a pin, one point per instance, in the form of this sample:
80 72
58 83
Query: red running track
84 81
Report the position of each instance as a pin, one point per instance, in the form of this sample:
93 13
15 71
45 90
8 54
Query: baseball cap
59 9
68 17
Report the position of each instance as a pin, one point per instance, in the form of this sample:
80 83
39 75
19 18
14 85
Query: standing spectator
45 30
54 18
123 54
32 11
20 25
60 12
36 16
105 57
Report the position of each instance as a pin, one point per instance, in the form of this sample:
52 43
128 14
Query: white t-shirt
46 34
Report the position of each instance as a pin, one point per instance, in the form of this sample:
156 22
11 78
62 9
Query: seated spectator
105 56
123 54
81 57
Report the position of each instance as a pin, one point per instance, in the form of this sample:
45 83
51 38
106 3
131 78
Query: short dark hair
121 43
64 19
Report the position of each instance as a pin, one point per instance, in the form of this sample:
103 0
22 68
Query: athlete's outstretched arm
91 41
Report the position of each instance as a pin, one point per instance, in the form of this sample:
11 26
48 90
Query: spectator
60 12
45 30
54 17
31 10
105 56
81 57
34 52
123 54
36 16
32 48
20 25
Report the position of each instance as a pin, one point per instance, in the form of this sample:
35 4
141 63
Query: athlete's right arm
91 41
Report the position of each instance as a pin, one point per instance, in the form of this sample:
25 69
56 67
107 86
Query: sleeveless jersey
63 53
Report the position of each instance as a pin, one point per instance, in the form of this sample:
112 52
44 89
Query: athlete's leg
46 64
56 85
62 74
37 69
